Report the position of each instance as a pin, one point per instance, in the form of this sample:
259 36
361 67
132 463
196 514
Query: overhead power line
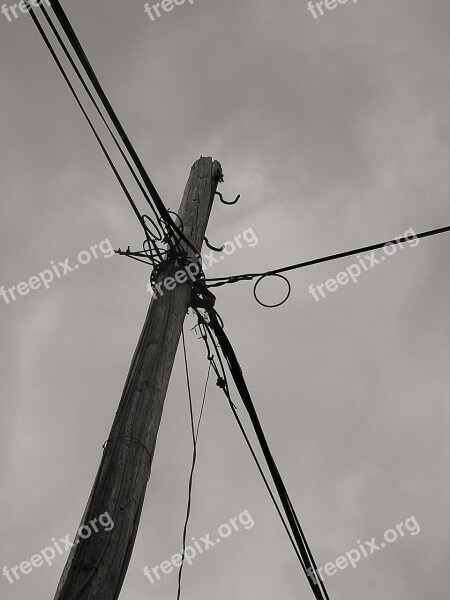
173 234
169 232
222 382
105 122
80 104
219 281
214 325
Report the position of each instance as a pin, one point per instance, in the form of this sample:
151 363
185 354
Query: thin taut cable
218 281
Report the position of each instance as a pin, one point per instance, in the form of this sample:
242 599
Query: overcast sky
335 132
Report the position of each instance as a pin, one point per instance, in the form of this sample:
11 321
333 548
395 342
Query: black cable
149 235
236 372
218 281
306 559
119 147
222 379
72 89
73 39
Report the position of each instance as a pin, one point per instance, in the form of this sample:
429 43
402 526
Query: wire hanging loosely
195 433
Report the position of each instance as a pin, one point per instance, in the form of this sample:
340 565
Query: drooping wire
219 281
195 432
215 324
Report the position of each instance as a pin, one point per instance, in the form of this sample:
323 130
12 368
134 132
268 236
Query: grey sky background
335 132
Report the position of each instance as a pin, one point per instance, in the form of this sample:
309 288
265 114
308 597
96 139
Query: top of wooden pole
202 184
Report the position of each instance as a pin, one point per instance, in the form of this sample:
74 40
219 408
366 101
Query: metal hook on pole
224 201
211 247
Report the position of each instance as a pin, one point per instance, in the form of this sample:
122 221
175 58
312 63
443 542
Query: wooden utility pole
96 566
